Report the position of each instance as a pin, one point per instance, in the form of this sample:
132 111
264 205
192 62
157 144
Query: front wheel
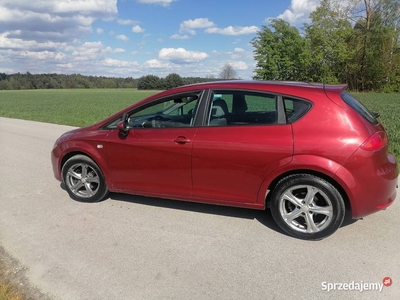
83 179
307 207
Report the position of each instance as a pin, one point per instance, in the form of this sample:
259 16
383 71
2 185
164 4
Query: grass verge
14 284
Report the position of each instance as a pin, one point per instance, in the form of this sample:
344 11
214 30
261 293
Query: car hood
73 133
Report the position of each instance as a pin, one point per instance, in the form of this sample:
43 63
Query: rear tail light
376 141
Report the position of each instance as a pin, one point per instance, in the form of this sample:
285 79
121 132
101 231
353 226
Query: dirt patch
14 283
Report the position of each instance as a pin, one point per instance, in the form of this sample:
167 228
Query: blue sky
123 38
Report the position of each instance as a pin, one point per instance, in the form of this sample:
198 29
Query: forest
354 42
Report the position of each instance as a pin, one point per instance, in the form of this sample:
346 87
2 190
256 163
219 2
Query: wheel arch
327 178
92 157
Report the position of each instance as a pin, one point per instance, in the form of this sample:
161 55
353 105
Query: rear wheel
307 207
83 179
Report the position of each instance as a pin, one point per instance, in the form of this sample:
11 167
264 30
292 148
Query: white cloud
87 51
109 62
181 55
239 50
104 7
156 64
49 20
65 66
179 37
119 50
99 30
239 65
90 51
159 2
14 42
137 29
299 11
122 37
126 22
43 55
233 30
191 25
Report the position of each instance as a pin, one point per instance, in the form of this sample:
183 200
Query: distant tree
281 53
149 82
375 38
5 85
173 80
328 35
228 72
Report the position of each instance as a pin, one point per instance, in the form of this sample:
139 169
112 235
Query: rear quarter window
295 108
359 108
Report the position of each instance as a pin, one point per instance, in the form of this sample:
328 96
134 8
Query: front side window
238 108
177 111
174 111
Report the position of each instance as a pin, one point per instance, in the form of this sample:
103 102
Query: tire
307 207
83 179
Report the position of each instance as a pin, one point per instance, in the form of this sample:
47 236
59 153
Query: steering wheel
157 121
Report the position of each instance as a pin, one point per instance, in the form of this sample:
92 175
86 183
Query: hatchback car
306 151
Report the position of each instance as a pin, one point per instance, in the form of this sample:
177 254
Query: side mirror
122 126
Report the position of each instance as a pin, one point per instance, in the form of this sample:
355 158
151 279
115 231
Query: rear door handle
181 140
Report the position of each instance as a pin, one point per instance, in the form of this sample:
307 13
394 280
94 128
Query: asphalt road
130 247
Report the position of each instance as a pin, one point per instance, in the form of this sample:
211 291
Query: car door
154 158
244 138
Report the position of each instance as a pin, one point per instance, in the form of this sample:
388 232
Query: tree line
355 42
28 81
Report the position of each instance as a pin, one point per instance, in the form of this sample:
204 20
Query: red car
306 151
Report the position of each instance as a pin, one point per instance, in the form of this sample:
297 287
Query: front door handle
181 140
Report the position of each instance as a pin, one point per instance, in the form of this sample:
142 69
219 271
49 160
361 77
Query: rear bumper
373 185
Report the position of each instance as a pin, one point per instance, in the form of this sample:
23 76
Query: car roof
242 83
264 85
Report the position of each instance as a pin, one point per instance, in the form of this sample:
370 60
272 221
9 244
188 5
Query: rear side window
241 108
359 108
295 108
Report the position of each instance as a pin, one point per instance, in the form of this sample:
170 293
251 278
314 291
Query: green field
388 106
68 107
85 107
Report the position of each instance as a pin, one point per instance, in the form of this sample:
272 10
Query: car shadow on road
262 216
